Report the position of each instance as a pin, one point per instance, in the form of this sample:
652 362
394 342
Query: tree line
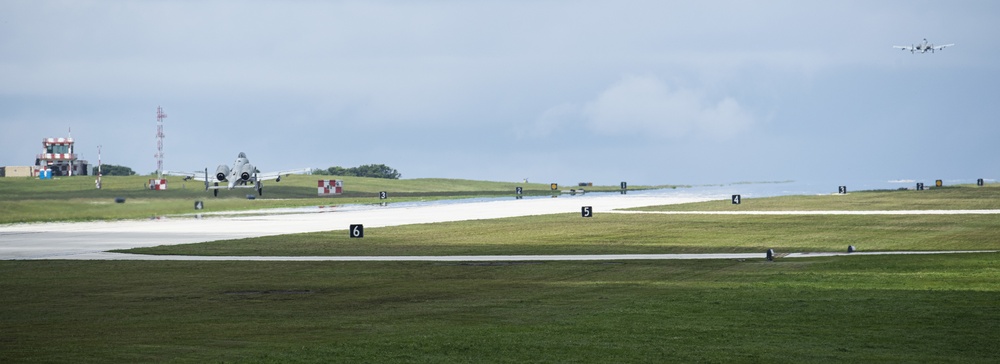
114 170
367 170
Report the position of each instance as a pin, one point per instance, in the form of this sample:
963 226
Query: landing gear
260 188
216 190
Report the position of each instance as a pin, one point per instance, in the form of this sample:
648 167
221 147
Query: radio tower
159 142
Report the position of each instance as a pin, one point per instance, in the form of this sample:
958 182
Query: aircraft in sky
241 175
923 47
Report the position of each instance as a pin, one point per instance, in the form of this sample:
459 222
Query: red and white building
58 156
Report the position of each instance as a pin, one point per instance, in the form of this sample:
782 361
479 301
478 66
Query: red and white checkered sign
158 184
330 187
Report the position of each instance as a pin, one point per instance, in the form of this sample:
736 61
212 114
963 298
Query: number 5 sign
587 211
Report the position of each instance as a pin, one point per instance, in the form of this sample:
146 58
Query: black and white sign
842 190
357 231
920 186
587 211
736 199
198 205
624 186
383 195
979 182
518 190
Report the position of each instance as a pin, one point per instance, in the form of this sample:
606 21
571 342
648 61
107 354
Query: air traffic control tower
57 156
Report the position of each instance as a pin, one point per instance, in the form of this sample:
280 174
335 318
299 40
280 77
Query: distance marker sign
357 231
587 211
736 199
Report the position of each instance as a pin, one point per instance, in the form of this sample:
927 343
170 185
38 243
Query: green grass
76 199
611 233
945 198
854 309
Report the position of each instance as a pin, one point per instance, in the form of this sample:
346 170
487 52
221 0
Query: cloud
551 120
644 105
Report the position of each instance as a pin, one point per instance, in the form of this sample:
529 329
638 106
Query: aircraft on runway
923 47
241 175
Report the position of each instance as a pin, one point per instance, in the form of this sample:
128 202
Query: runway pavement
90 240
69 240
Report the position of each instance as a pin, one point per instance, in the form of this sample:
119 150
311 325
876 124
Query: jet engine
246 172
222 172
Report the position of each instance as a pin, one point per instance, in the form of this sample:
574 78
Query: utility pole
98 167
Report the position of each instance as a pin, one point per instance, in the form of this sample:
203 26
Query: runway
91 240
76 239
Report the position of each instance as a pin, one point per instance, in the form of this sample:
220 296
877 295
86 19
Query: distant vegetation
113 170
367 170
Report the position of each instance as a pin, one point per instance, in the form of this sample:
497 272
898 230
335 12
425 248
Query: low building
17 171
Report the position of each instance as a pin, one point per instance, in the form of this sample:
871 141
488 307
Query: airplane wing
905 48
277 175
940 47
197 176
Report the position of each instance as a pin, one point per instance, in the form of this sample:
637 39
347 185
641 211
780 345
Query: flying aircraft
923 47
241 175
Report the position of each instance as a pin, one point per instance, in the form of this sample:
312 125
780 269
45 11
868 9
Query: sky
648 92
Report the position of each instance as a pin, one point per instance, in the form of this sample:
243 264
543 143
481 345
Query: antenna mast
98 167
159 142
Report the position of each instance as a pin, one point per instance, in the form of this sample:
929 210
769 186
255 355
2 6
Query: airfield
93 240
676 276
82 240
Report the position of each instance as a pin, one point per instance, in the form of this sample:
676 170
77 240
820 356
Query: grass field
967 197
628 234
76 199
939 309
920 308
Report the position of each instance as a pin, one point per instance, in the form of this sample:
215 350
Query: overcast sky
649 92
